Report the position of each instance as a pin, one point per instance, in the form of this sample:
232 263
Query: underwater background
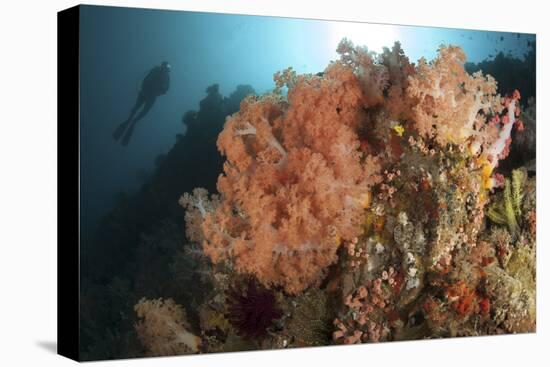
132 227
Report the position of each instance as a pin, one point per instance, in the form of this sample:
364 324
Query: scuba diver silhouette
155 84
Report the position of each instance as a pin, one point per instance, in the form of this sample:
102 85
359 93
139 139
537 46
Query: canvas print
253 183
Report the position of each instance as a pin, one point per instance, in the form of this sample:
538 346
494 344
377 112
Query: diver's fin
120 130
127 135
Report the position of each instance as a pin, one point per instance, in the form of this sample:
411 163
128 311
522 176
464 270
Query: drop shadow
50 346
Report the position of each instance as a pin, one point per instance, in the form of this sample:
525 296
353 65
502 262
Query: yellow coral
399 130
365 199
508 210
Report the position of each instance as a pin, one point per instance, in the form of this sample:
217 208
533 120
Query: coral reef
365 190
370 202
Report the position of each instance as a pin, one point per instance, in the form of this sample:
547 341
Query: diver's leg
120 129
148 104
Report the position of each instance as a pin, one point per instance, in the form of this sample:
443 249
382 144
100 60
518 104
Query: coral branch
500 147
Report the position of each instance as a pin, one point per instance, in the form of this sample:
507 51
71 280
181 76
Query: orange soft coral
198 204
297 174
453 106
163 328
373 76
398 103
294 181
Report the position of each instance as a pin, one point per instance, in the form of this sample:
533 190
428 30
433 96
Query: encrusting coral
310 318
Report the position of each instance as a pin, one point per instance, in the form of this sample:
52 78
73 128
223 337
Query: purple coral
252 309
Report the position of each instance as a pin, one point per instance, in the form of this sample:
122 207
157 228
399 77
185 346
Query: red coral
484 305
462 298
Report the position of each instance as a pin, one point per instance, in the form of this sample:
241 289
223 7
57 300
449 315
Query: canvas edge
68 176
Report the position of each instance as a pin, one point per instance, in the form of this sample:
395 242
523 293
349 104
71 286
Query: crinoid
508 210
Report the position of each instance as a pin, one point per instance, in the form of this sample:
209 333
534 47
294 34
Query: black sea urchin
252 309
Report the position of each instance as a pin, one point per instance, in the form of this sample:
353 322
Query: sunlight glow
374 36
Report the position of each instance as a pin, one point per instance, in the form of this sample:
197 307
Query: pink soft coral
294 182
452 105
297 175
373 76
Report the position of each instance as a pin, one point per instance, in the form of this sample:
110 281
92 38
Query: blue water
120 45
